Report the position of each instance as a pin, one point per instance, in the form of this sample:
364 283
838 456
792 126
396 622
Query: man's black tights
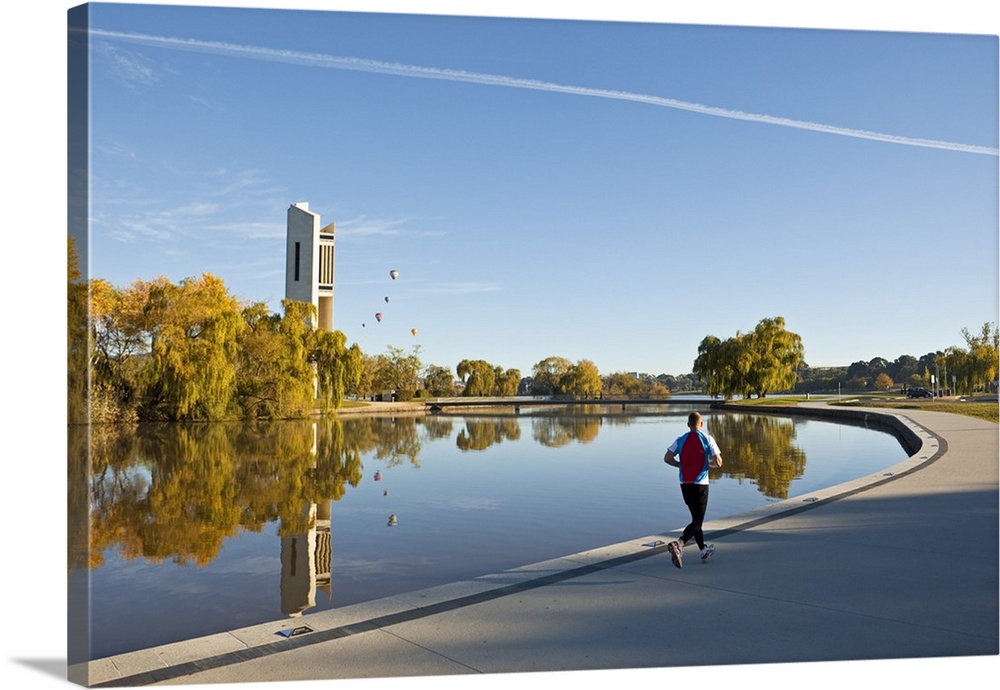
696 499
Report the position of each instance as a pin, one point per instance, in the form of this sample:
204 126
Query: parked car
919 393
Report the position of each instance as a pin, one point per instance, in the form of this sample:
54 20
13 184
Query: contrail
414 71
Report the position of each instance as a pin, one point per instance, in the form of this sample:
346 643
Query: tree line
956 370
159 351
771 359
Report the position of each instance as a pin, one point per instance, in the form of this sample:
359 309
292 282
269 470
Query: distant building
309 262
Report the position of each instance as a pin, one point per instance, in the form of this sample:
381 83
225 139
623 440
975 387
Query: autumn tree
77 340
583 380
479 377
274 379
194 328
558 376
119 321
984 350
623 385
883 382
775 355
507 381
974 366
397 371
438 381
338 367
761 361
723 366
547 375
367 380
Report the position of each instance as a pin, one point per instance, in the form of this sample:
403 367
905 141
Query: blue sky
612 191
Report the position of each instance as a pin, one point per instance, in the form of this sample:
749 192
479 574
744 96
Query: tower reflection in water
306 557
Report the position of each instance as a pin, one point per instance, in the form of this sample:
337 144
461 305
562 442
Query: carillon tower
309 262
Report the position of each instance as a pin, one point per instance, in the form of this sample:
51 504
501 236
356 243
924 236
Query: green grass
784 400
990 411
354 403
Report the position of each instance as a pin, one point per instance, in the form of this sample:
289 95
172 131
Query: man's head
694 420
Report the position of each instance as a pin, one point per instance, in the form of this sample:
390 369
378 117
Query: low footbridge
524 402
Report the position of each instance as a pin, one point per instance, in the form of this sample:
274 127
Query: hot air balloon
387 299
378 317
393 273
413 331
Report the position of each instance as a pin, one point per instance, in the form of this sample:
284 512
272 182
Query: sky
585 225
610 191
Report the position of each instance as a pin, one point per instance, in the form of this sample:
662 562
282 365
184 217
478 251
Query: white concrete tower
309 262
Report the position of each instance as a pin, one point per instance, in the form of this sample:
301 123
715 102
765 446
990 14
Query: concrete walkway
901 564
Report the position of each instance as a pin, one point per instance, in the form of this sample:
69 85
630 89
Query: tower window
297 254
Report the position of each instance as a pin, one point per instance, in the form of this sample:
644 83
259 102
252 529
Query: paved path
902 564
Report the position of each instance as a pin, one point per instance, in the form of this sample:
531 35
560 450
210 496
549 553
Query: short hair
694 418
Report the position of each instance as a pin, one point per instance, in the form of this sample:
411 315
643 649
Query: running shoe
674 548
707 552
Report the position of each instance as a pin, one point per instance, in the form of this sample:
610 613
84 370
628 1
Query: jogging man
694 453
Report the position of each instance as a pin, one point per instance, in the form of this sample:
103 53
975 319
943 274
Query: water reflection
178 496
759 448
555 432
178 491
481 433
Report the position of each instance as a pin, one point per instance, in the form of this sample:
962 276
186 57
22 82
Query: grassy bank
988 410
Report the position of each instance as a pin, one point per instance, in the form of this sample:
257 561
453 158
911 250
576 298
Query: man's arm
715 462
670 459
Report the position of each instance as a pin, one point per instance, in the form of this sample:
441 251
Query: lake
197 529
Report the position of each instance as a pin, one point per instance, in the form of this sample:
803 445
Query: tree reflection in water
759 448
178 491
481 433
151 501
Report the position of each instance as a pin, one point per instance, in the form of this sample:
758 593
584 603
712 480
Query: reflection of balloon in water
393 273
378 317
413 331
392 520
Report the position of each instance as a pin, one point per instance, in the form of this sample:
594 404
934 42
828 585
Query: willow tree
723 365
762 361
397 371
119 324
582 380
507 381
984 355
338 367
548 374
194 328
479 377
77 339
438 381
775 356
274 379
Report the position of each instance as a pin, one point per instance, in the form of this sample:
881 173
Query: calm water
205 528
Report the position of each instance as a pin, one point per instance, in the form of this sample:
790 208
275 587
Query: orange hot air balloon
378 317
413 331
393 274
